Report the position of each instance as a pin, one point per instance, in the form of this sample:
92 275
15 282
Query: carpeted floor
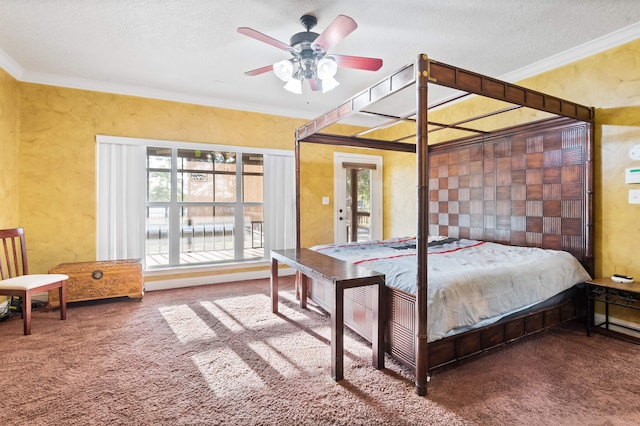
217 355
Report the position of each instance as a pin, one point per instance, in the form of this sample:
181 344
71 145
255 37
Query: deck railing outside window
197 202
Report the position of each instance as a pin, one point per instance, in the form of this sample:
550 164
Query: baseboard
211 279
599 318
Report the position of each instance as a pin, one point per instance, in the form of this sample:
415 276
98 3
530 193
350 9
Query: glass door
358 195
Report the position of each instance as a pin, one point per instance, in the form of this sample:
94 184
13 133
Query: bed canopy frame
420 76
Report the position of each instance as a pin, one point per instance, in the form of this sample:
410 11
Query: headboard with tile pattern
526 186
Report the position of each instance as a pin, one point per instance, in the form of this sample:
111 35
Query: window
203 204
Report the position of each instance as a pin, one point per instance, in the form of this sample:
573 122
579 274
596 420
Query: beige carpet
216 355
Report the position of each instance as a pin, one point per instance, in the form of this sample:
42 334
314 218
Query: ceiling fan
310 60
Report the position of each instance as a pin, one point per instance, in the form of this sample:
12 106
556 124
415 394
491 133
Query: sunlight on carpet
222 315
276 359
231 370
186 324
217 355
226 373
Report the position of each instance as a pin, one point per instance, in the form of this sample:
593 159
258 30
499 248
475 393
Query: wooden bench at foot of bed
339 275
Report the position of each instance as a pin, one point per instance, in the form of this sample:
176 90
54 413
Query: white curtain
121 171
279 202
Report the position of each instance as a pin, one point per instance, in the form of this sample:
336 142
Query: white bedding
471 282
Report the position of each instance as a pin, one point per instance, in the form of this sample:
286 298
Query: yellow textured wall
8 153
316 175
57 134
9 149
57 160
57 129
609 81
400 194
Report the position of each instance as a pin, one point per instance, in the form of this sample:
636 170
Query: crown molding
9 65
614 39
598 45
145 92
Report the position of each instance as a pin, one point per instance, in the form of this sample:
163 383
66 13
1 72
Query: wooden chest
100 280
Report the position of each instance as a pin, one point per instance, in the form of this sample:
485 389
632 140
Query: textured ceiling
190 50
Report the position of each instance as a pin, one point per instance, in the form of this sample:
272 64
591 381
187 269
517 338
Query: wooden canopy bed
528 183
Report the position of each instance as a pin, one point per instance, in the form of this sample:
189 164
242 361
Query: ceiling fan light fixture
283 70
294 86
327 68
310 60
328 84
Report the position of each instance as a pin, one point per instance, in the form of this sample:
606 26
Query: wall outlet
634 196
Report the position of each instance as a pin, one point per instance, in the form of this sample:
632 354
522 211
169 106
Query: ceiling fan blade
258 71
341 27
358 62
315 84
250 32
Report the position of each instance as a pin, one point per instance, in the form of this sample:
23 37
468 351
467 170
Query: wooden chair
15 279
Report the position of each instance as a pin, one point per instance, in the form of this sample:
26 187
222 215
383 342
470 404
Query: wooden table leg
377 335
589 315
297 285
274 286
337 333
606 309
304 281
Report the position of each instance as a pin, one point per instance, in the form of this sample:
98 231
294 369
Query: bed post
297 156
298 279
588 261
422 238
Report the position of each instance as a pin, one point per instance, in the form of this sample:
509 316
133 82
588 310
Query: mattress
471 283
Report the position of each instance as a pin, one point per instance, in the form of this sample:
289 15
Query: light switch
325 201
634 196
632 175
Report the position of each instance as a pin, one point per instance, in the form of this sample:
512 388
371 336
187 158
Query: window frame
177 145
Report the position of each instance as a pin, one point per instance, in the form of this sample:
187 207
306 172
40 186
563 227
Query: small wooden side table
341 275
610 293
